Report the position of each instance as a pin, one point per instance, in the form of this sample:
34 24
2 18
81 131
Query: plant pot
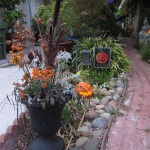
45 122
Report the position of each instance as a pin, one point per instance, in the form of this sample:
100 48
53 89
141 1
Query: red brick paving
132 131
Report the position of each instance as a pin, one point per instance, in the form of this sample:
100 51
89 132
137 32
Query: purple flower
111 1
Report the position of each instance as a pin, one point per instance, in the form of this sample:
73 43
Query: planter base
47 143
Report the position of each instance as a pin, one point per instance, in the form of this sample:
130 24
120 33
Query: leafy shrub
118 63
145 52
86 18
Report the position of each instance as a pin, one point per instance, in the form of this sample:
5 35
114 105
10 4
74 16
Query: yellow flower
78 72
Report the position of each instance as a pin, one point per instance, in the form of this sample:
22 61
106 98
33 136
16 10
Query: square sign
86 57
102 57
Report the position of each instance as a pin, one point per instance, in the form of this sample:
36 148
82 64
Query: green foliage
10 4
145 52
118 63
12 16
45 12
67 115
88 18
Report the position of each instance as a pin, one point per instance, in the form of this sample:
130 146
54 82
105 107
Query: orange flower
35 71
16 58
22 95
20 48
43 77
34 77
44 85
40 74
13 47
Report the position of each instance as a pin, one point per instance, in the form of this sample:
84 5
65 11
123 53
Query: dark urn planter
45 122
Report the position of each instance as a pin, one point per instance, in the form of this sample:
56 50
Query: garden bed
89 122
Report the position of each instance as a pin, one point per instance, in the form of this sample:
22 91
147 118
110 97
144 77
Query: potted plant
11 15
44 91
48 87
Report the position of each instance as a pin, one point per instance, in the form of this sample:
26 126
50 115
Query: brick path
132 130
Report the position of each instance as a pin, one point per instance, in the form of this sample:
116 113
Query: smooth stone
97 133
88 124
104 101
123 112
116 97
92 144
84 130
96 101
127 102
81 141
112 84
113 79
112 91
119 90
99 122
99 107
123 76
74 148
91 114
109 97
106 116
112 103
119 83
92 104
107 93
100 111
109 109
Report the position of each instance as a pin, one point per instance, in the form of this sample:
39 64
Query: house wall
29 8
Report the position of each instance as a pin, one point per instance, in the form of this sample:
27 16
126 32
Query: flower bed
85 124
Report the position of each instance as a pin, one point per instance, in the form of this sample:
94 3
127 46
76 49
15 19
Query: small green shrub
145 52
118 63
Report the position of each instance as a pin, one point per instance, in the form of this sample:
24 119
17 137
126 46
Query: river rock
91 114
100 111
106 116
109 109
127 102
112 103
116 97
99 122
88 124
113 79
74 148
119 83
95 101
109 97
92 104
104 101
81 141
108 93
119 90
92 144
122 76
84 130
112 84
99 107
97 133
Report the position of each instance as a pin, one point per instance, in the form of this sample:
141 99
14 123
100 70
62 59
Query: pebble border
112 118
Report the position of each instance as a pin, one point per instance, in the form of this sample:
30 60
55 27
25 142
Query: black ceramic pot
46 122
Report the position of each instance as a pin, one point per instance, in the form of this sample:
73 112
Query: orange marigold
44 85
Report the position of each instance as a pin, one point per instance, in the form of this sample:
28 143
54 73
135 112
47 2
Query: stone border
112 118
9 138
